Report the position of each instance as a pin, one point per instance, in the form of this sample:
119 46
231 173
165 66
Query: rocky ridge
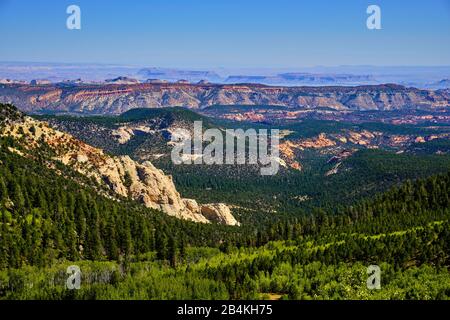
117 98
122 175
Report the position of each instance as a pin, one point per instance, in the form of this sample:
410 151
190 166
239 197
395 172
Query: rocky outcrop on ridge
122 175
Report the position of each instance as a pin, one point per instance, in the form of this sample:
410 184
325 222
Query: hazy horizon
228 34
435 77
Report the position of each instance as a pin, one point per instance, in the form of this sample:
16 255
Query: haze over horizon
433 77
228 34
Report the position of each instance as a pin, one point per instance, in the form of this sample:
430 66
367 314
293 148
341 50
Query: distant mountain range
421 77
305 79
117 98
176 75
444 83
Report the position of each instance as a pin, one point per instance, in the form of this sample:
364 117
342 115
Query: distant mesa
443 84
122 80
38 82
76 81
203 82
9 81
174 75
156 81
439 85
247 79
418 77
300 78
444 81
293 76
183 81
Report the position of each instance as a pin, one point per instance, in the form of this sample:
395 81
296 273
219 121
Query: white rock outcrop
220 213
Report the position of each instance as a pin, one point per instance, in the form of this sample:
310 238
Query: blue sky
227 33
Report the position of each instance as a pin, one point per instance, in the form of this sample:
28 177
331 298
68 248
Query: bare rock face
287 151
321 141
220 213
127 178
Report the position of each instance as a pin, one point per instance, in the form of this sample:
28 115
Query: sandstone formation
220 213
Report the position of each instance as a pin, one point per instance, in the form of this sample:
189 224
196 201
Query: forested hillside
46 217
51 218
375 163
405 231
364 174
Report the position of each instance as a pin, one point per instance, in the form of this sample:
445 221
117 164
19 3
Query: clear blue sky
227 33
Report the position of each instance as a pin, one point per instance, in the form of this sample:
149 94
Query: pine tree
172 252
161 245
